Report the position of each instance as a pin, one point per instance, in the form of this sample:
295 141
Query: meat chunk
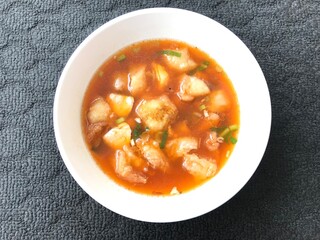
183 62
157 113
201 168
118 136
192 87
137 80
120 104
126 171
213 141
99 111
180 146
154 156
94 133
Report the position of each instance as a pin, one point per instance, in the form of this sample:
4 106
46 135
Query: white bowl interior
211 37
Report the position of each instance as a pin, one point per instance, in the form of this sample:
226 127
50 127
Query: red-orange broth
209 120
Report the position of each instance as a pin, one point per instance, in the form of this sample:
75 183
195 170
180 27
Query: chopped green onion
136 49
147 129
120 120
202 107
218 129
233 140
164 139
228 130
137 131
121 57
171 53
203 66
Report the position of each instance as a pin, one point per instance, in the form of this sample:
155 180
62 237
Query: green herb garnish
137 131
233 140
226 133
202 107
204 65
121 57
164 139
171 53
120 120
228 130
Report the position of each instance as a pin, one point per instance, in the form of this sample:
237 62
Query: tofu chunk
218 101
191 87
180 146
120 81
183 63
126 171
99 111
157 113
160 74
118 136
155 157
201 168
120 104
137 80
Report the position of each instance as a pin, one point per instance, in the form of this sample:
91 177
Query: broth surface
166 77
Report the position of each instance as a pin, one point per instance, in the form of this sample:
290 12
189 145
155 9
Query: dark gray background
40 200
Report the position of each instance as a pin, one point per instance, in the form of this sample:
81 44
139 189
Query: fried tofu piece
183 62
126 171
120 104
118 136
218 101
160 74
200 168
154 156
137 80
120 81
157 113
191 87
99 111
178 147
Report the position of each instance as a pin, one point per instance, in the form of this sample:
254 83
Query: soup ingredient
99 111
200 68
218 101
164 138
199 167
154 156
121 57
118 136
138 81
171 53
120 104
192 87
181 62
213 141
161 75
157 113
181 146
126 171
94 133
120 81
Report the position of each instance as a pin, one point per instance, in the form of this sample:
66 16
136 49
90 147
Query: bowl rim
75 54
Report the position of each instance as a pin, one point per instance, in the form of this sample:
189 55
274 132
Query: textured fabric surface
40 200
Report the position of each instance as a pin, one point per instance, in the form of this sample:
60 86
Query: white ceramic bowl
195 29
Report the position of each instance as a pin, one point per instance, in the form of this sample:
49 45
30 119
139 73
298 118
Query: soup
160 117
